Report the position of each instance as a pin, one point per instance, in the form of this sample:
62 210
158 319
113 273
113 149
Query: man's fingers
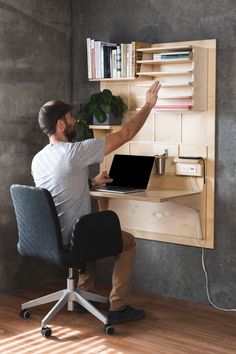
155 87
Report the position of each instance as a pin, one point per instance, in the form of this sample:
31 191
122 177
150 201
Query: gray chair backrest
38 224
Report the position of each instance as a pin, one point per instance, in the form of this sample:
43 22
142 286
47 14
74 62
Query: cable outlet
187 168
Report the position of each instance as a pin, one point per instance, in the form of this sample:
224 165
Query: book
123 49
134 67
106 59
176 56
89 59
92 47
175 53
118 62
97 59
129 54
113 62
171 55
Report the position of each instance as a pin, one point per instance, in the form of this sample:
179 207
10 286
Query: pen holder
160 162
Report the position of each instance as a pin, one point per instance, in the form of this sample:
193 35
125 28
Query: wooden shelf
169 97
163 49
169 109
115 79
147 196
168 84
172 109
164 73
165 61
102 127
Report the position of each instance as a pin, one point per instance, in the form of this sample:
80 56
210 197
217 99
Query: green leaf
107 95
100 115
105 107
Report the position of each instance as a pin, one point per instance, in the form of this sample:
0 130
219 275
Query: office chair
94 236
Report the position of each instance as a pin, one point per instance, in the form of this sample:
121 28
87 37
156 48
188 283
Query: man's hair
50 113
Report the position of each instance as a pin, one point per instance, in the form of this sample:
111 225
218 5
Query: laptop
130 174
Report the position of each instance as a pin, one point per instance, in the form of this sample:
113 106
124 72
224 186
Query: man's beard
70 134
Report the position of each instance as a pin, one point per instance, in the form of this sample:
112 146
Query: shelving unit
191 70
178 209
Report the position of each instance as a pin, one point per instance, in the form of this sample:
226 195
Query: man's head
55 115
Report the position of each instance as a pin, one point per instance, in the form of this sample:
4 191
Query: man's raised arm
130 129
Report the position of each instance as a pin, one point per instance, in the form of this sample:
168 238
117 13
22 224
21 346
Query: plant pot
110 120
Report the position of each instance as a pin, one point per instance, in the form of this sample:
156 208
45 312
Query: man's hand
152 93
115 140
101 178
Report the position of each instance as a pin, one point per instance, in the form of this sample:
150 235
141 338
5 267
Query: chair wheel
46 331
109 329
25 314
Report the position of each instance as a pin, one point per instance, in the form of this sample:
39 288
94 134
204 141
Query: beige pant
119 296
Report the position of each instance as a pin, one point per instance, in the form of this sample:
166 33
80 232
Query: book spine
114 63
107 61
128 60
118 61
181 56
92 43
125 61
133 60
102 60
122 59
161 56
98 62
89 58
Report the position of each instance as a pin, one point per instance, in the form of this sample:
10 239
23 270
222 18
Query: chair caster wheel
109 329
25 314
46 331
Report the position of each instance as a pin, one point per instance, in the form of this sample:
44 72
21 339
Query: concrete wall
163 268
35 66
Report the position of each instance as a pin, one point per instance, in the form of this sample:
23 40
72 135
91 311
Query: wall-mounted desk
164 215
175 209
146 196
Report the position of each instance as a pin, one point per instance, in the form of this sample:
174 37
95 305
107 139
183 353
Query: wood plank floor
170 327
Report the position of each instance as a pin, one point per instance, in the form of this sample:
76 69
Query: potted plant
103 108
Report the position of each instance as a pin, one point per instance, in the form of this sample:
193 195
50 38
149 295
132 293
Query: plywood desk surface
146 196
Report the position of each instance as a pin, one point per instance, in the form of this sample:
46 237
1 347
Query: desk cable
201 243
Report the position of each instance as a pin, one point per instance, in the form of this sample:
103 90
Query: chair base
69 296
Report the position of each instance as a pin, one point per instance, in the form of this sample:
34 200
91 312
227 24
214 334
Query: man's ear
61 124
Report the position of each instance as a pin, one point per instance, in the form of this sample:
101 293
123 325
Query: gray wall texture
162 268
35 66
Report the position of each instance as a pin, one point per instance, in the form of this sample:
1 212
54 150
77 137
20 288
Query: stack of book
172 56
111 60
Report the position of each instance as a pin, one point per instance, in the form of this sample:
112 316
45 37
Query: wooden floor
170 327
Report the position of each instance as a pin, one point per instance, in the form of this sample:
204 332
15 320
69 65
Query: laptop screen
131 171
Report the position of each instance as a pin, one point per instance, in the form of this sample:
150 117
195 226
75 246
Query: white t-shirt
62 169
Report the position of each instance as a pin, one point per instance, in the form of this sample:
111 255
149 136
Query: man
62 168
